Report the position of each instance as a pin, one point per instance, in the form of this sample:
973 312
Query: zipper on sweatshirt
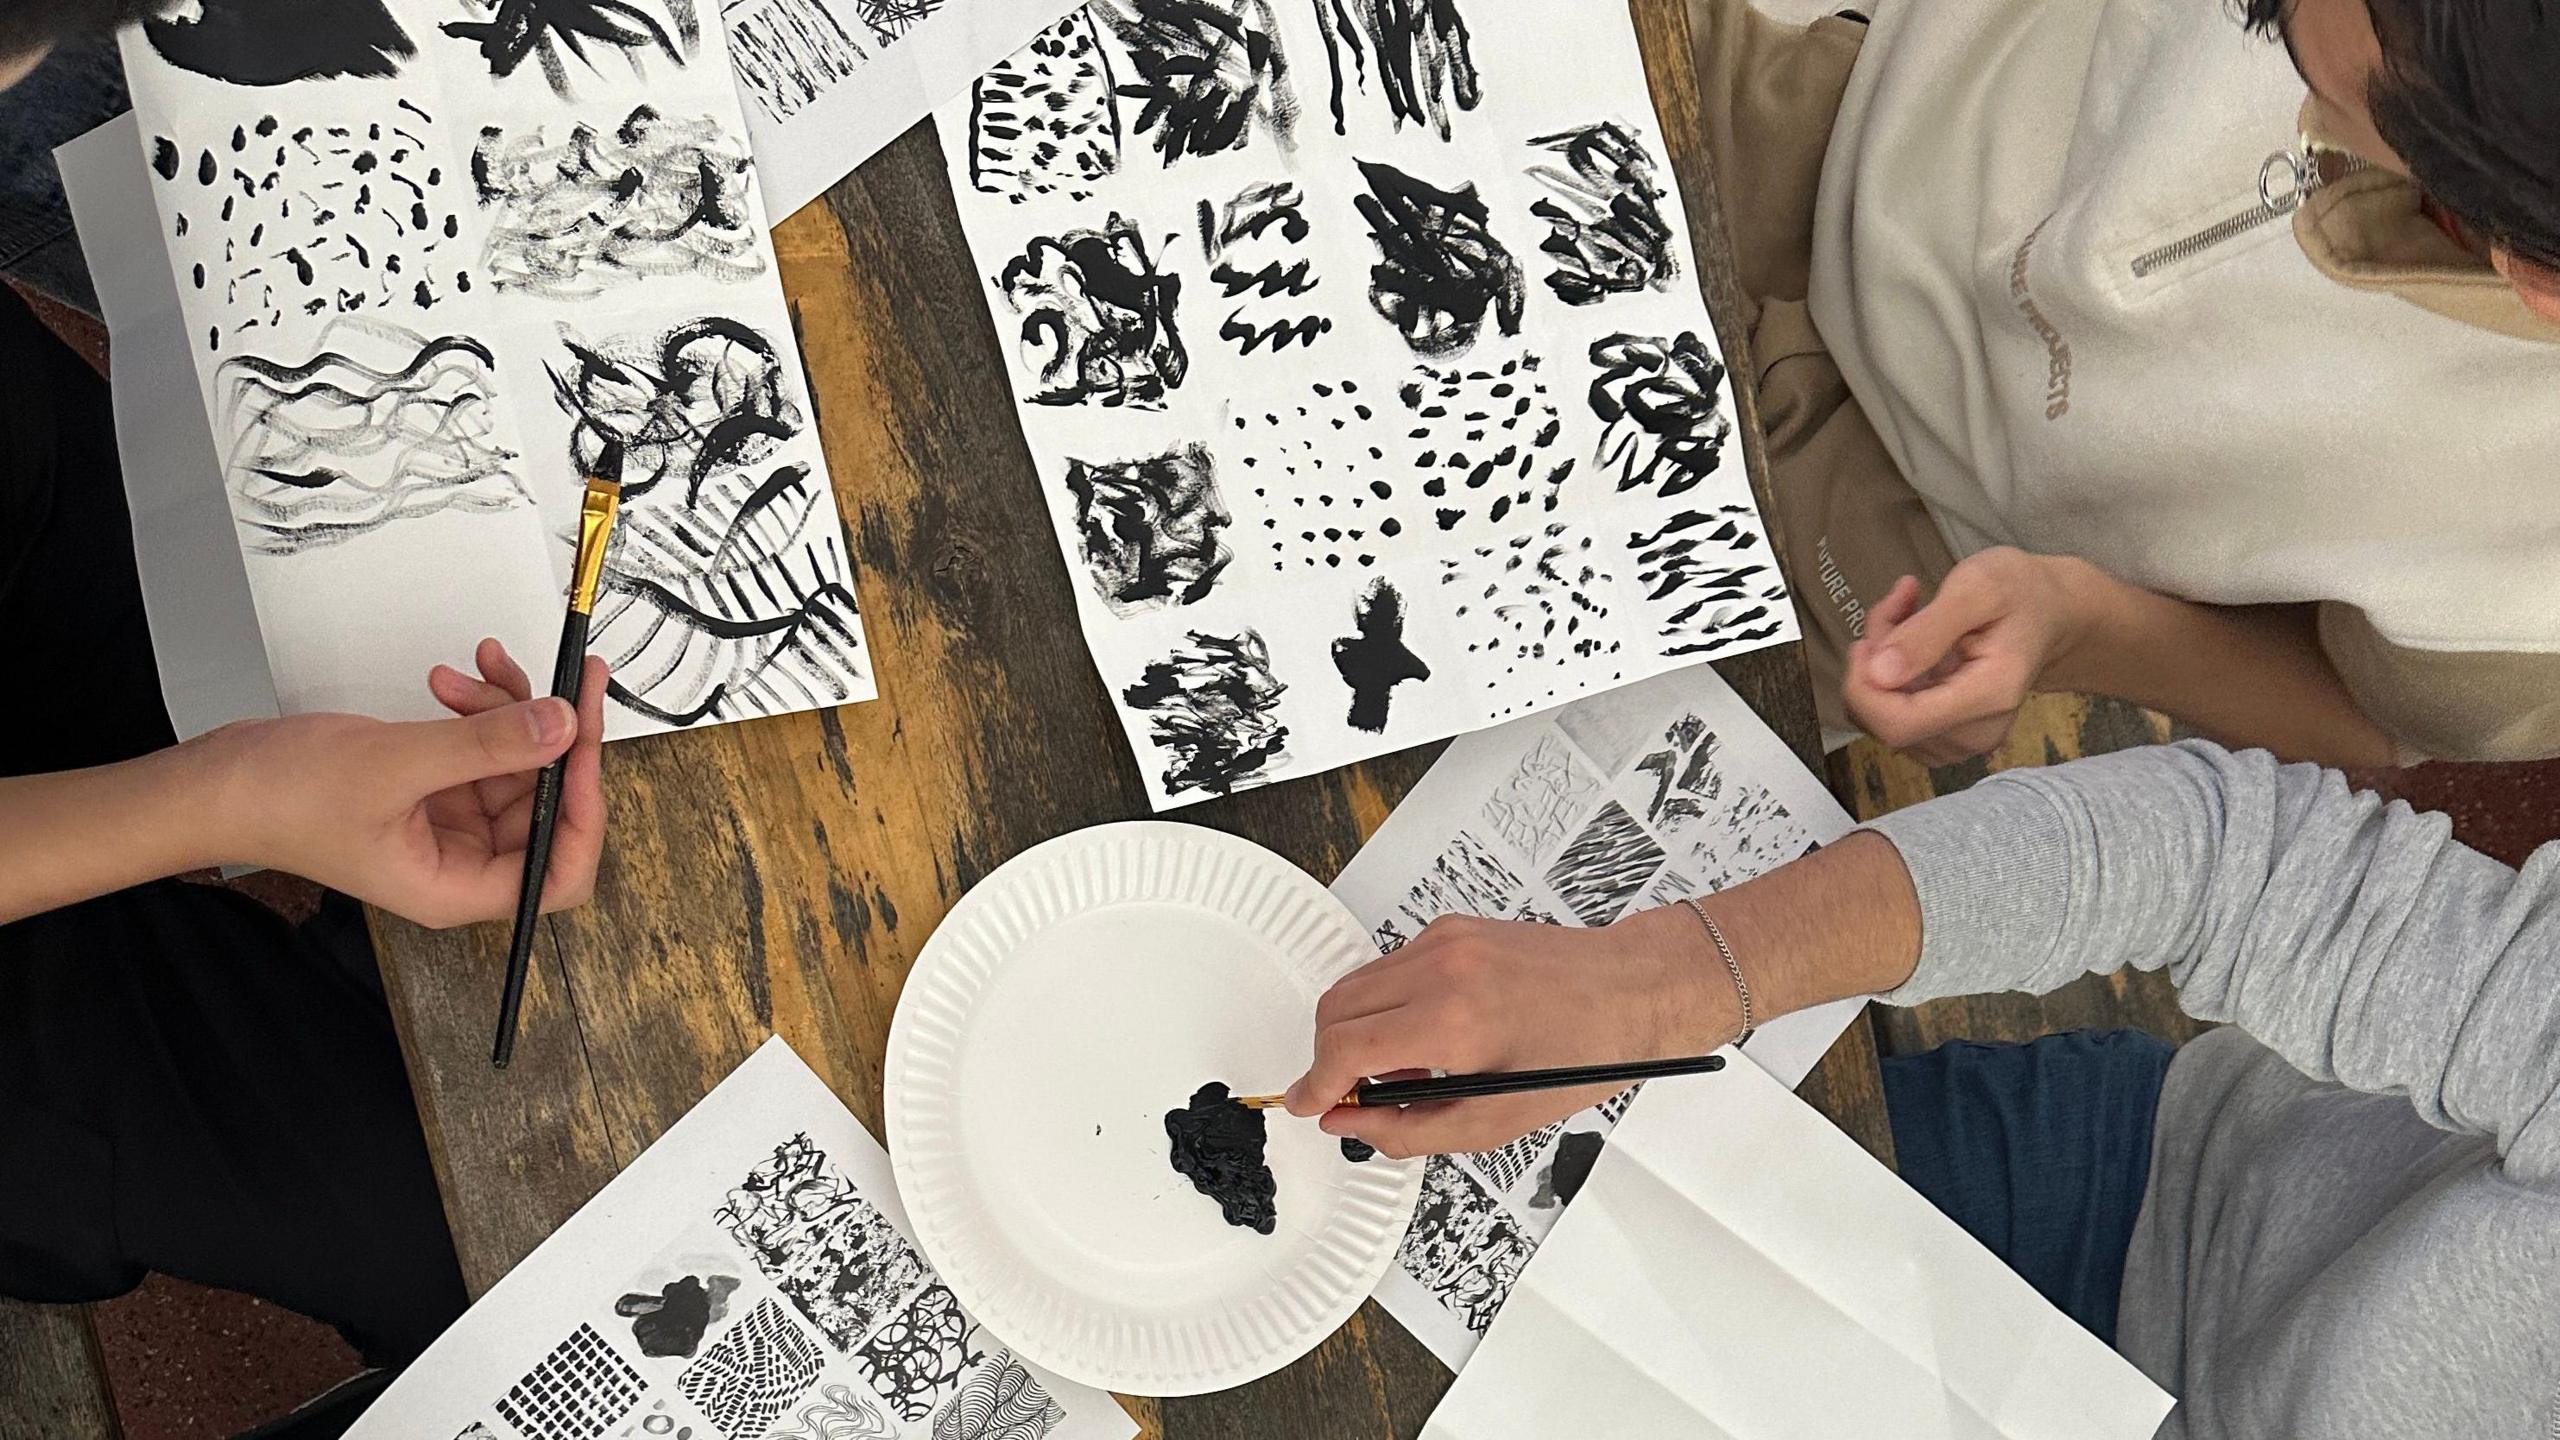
2286 179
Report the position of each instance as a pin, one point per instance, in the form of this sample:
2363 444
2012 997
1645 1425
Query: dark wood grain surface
780 875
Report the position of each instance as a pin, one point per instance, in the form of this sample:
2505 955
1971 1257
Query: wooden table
781 875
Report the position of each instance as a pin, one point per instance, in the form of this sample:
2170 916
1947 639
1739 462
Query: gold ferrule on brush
595 525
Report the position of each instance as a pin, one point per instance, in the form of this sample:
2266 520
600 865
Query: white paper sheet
195 593
1639 797
436 265
830 1325
1738 1268
1303 301
828 82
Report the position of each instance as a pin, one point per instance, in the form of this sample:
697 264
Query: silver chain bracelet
1732 967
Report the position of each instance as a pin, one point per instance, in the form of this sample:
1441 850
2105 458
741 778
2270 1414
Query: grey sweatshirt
2352 1226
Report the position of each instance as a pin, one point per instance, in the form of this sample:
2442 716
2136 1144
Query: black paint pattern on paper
1389 937
276 42
1661 409
780 634
828 1250
787 53
1562 1176
279 219
1210 73
1507 1165
1536 806
919 1356
1491 431
1097 318
677 409
671 1323
1213 710
1422 54
838 1413
378 425
890 20
1254 243
1045 120
578 1391
765 1362
547 30
1467 878
1440 270
1685 777
1706 591
650 197
1150 527
1736 828
1605 866
1538 599
1374 659
1462 1247
1614 1109
1605 228
1001 1400
1216 1143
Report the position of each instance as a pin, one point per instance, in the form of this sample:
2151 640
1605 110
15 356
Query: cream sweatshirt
2044 265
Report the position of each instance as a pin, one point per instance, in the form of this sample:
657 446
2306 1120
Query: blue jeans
2040 1151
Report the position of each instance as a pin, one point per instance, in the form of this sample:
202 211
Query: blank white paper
1738 1268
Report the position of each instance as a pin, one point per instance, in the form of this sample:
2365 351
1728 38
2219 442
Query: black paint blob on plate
1217 1146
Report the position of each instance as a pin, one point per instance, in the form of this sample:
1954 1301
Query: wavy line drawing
1001 1401
1254 242
545 30
379 424
648 198
837 1414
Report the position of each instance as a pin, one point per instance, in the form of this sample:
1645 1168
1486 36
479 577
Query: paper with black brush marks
771 1183
1410 282
752 1373
670 1322
1639 797
389 296
787 53
271 219
276 42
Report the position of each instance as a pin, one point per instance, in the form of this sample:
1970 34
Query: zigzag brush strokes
596 209
1254 244
342 444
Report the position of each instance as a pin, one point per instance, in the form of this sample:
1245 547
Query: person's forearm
2250 677
68 836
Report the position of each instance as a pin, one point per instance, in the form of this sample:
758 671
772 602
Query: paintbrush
568 671
1373 1093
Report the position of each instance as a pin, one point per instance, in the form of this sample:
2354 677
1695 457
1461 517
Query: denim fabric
77 88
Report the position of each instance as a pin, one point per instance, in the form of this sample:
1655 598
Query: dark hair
2469 95
38 24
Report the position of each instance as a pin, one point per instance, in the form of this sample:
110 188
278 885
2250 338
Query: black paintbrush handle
566 671
1467 1087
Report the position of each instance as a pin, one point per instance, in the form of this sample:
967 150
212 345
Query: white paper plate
1071 999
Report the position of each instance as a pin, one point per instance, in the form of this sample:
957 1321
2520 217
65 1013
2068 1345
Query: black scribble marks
670 1324
890 20
724 593
1210 73
378 425
787 53
1462 1246
1530 912
1254 245
1686 779
1045 119
1465 879
1422 56
1440 270
763 1364
1213 710
1001 1400
1662 412
1506 1166
1605 866
1735 826
828 1250
919 1356
651 197
1706 591
276 42
1150 528
1537 806
1605 229
1097 318
546 30
837 1414
276 219
579 1390
1562 1177
1539 598
1670 888
1374 659
1389 937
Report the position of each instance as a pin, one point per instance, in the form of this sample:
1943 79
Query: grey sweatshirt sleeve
2354 938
